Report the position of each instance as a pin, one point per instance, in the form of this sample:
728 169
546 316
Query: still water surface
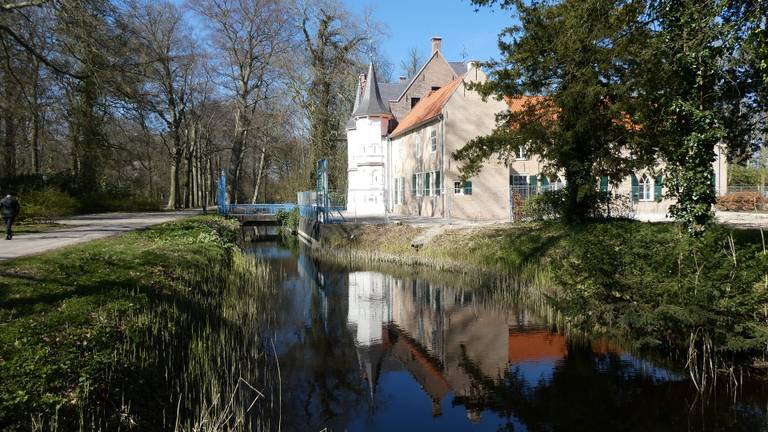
373 351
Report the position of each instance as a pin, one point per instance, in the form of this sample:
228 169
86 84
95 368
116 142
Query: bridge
262 220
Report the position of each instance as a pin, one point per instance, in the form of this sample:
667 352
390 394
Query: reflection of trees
321 372
593 391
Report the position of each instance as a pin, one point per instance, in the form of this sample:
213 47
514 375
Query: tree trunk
257 180
9 146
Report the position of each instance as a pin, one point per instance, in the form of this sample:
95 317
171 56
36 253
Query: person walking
9 209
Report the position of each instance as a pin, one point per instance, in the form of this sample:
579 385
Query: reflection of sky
402 405
535 372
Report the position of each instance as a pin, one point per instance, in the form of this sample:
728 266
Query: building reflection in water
442 339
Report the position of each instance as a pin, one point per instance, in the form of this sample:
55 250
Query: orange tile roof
427 108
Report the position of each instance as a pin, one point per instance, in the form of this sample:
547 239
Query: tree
168 65
412 62
698 87
571 55
330 52
248 36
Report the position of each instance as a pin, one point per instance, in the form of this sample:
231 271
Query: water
376 351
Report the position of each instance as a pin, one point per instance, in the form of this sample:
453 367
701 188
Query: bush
289 221
46 205
541 207
741 201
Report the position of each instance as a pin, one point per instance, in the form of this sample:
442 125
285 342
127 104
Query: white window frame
458 188
433 139
419 184
417 138
521 153
645 188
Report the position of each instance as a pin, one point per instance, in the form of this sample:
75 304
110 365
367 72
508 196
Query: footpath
84 228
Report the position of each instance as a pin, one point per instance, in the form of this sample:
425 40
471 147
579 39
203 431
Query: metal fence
749 188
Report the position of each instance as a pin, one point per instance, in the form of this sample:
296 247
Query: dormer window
414 101
435 88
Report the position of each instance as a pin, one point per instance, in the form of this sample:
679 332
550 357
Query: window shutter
467 187
413 185
544 183
427 189
532 184
714 182
604 184
635 189
658 184
438 183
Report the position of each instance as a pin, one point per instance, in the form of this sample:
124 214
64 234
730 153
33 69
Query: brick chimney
437 42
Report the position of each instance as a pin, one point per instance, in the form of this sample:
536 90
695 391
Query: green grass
88 333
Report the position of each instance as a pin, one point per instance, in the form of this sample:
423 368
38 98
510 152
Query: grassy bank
130 331
704 300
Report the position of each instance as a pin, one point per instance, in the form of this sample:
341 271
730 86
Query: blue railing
255 209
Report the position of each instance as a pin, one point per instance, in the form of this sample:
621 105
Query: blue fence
255 209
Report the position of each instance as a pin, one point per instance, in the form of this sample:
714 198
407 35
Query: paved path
82 229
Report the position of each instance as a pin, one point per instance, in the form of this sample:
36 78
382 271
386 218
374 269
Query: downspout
442 159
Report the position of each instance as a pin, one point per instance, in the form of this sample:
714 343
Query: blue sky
412 23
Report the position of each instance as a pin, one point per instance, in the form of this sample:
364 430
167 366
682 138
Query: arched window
645 188
558 184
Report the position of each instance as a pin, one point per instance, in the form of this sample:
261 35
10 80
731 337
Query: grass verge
130 332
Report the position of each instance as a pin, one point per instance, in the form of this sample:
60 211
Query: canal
364 349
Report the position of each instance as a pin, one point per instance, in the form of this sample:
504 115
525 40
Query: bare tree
169 60
247 36
412 62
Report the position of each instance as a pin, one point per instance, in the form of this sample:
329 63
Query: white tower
366 149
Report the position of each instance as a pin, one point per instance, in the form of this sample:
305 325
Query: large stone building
401 136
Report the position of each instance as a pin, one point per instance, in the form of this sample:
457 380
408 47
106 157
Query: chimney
436 43
402 78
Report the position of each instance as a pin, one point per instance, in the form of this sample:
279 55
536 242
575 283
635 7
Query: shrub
46 205
541 207
289 221
741 201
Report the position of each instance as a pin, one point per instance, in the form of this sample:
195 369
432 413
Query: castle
400 138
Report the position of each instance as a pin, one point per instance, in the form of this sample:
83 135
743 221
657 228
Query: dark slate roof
392 91
370 98
459 67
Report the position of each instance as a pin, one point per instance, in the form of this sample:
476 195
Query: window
438 183
460 188
402 190
420 184
413 185
522 154
435 88
397 191
433 139
417 138
645 189
557 184
427 184
414 101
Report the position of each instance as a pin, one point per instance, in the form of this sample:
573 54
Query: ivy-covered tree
697 87
573 55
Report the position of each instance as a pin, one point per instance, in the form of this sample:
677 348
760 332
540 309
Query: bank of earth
647 283
89 333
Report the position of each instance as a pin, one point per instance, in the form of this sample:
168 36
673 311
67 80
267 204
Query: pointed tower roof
370 103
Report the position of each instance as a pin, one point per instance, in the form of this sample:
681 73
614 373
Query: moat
397 350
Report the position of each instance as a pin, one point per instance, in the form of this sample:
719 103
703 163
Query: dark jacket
9 207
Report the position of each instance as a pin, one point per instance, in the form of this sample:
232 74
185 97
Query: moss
67 316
